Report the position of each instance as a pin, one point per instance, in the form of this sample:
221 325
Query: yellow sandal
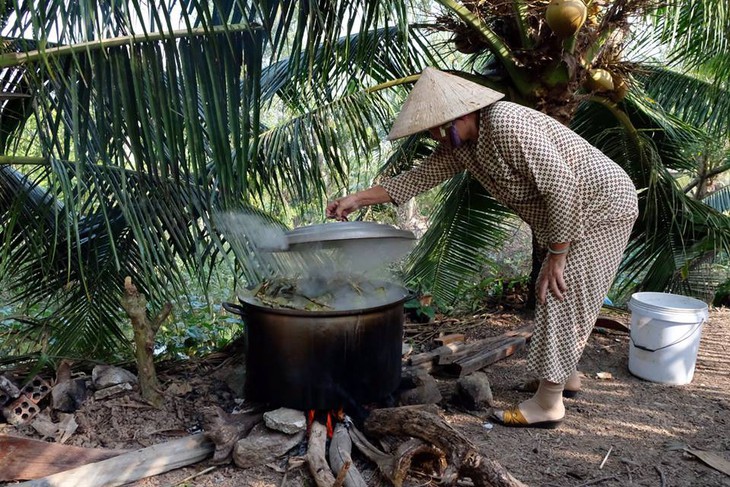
513 418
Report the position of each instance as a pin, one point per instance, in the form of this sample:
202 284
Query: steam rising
330 275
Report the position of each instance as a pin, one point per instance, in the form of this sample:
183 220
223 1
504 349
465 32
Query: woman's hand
552 278
341 207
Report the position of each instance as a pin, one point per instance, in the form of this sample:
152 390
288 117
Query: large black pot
322 359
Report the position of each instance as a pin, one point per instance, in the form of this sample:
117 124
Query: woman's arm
341 207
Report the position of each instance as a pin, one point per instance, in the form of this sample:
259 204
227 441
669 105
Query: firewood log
395 467
316 455
340 456
425 423
224 430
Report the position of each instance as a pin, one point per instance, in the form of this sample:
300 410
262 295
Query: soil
620 430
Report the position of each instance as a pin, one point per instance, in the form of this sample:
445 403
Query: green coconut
599 80
566 17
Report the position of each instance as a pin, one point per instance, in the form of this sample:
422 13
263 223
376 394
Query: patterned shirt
551 177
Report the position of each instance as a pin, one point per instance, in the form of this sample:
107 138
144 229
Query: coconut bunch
570 33
498 15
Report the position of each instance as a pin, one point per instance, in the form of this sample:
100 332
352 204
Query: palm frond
719 200
693 100
674 232
696 33
468 222
144 139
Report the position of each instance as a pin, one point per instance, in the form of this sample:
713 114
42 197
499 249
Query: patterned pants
562 328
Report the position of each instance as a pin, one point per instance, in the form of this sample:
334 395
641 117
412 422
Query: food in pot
317 293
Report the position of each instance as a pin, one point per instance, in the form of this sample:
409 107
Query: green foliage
466 224
115 157
419 310
197 333
491 291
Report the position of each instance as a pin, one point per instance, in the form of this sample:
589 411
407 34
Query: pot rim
249 302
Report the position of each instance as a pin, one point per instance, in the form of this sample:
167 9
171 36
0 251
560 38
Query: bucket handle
641 347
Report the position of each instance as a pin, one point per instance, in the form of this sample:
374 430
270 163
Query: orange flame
332 418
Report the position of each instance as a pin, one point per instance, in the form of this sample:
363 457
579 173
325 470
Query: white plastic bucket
665 336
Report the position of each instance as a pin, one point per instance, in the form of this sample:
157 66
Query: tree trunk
135 304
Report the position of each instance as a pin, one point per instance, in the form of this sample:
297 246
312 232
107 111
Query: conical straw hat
438 98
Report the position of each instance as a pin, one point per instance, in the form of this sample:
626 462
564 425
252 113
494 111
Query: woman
580 205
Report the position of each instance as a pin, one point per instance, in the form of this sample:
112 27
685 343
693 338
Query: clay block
36 389
21 411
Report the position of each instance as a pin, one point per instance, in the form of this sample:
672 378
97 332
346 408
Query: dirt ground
618 431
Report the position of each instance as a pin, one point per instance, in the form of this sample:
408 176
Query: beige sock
573 382
545 405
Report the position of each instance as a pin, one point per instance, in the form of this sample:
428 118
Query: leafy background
126 127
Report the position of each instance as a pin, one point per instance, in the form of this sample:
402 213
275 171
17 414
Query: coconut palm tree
149 122
576 62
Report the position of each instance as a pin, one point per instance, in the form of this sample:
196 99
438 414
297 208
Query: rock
234 375
263 445
474 391
110 391
286 420
8 390
68 396
104 376
419 388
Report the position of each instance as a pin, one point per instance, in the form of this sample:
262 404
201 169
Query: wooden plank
451 352
132 466
26 458
450 338
470 364
430 356
472 348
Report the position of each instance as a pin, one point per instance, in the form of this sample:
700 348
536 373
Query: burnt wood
224 430
395 467
316 458
464 458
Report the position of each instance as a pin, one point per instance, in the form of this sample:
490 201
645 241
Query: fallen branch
316 455
600 467
225 430
425 423
395 467
194 476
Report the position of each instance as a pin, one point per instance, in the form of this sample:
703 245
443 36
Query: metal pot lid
337 233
